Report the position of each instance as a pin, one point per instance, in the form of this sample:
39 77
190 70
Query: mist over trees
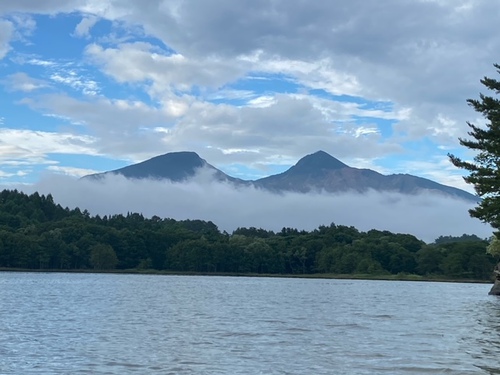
37 233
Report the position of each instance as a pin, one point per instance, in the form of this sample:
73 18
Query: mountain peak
319 160
185 157
175 166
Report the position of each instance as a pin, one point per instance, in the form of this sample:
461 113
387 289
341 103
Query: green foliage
484 172
464 237
103 257
36 233
429 260
494 247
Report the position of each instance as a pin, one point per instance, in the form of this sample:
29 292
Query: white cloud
121 128
23 82
425 216
436 168
77 82
291 127
21 149
237 150
142 62
71 171
262 101
25 26
101 114
82 30
6 32
360 131
228 94
342 49
40 62
34 145
6 174
68 73
313 74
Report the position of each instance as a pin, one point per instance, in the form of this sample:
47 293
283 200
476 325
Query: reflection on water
138 324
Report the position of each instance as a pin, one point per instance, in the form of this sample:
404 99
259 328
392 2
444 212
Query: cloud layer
425 216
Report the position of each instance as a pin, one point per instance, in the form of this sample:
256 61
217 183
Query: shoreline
390 277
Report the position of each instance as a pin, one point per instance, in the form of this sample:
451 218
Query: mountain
174 166
315 172
322 172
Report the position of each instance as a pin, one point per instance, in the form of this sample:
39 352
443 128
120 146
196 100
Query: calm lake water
138 324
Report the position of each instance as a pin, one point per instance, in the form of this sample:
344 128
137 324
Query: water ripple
136 324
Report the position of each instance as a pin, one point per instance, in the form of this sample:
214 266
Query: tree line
37 233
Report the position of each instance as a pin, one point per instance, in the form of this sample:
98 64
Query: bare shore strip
387 277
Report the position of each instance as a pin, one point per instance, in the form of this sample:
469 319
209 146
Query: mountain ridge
316 172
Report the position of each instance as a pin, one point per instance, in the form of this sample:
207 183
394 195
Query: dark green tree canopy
485 141
37 233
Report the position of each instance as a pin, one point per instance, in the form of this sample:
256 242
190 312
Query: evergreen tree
485 169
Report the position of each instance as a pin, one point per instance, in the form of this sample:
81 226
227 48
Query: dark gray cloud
45 6
293 28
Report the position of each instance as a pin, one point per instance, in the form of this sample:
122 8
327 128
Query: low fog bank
426 216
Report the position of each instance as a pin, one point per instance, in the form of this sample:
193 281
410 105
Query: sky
250 85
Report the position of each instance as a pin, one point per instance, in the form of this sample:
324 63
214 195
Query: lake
57 323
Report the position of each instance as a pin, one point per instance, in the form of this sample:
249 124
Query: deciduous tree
103 257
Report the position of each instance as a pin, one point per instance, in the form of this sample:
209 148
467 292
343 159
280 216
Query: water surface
141 324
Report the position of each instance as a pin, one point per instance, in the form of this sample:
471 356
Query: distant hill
315 172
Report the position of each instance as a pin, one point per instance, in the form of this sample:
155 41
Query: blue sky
251 86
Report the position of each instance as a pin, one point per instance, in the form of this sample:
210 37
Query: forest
38 234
